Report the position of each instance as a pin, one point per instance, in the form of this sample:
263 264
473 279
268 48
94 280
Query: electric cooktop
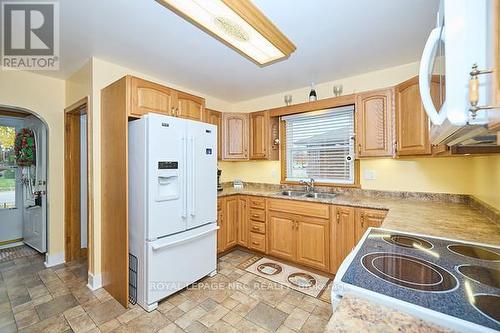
453 283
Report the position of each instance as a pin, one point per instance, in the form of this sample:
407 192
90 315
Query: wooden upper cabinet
366 218
374 123
259 125
412 123
235 136
343 231
148 97
281 235
215 118
189 106
313 242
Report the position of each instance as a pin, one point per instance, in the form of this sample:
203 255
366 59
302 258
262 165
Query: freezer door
202 174
177 261
166 162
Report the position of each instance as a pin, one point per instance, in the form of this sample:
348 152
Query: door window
7 167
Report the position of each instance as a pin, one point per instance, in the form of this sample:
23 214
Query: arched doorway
23 180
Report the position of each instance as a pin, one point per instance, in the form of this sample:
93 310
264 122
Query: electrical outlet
369 175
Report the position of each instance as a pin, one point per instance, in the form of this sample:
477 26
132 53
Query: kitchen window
320 145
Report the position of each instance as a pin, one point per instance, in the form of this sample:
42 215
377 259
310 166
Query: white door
165 176
202 170
35 217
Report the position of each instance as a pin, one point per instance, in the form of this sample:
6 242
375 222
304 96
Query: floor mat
16 252
298 279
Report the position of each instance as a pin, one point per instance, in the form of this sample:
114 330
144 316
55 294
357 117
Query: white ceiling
334 39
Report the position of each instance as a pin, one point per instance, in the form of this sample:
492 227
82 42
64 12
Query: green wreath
24 147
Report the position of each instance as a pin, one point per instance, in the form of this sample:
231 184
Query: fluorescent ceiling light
238 24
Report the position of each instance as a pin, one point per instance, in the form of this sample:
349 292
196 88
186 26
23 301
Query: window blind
318 145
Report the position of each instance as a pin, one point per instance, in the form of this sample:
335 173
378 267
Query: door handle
184 179
338 218
181 241
193 174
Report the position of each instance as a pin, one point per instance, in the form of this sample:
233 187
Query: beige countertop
423 214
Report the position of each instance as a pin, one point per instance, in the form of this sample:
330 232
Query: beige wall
44 96
79 84
485 179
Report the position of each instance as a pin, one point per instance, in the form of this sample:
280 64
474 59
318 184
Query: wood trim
114 188
72 198
253 16
321 104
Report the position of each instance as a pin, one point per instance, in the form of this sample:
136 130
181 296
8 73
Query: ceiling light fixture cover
238 24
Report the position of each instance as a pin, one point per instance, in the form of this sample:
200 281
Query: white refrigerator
172 204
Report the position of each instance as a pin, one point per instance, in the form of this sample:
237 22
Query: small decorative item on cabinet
337 90
312 94
288 100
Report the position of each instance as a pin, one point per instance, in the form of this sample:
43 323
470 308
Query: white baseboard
54 259
6 246
94 281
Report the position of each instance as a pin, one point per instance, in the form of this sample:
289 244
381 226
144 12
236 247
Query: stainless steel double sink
300 194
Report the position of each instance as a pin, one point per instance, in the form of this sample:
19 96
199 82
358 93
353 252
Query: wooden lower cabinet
366 218
343 231
300 239
270 227
281 235
221 232
231 217
242 222
313 239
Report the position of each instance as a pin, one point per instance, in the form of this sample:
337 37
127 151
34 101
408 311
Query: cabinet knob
255 228
359 148
255 243
362 220
338 218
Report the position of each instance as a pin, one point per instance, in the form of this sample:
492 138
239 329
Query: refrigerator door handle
193 170
184 178
184 240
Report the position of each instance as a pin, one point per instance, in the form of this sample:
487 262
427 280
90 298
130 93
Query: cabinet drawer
257 227
257 242
256 202
257 214
300 208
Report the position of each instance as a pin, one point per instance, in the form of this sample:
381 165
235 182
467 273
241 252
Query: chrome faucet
309 185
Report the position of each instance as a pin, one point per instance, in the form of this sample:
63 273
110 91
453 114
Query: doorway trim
72 240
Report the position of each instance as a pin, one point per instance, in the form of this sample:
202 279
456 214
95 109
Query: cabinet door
221 232
189 106
312 242
412 123
235 136
242 221
215 118
374 123
259 130
150 97
281 235
343 237
231 221
366 218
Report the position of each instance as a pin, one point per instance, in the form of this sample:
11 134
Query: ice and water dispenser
168 185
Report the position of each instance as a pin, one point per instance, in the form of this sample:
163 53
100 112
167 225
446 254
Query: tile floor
36 299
